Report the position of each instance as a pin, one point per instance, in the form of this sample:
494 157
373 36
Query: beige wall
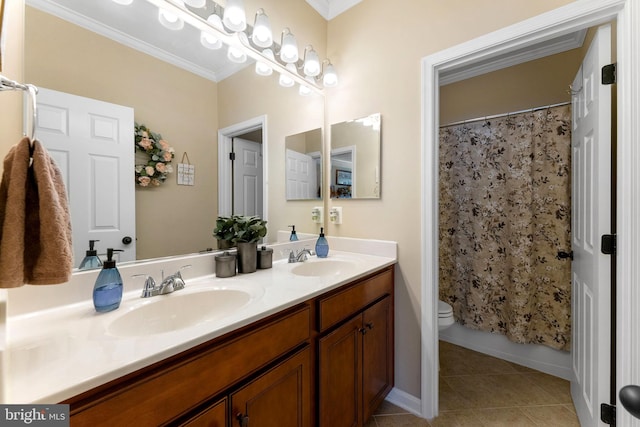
10 127
376 48
175 103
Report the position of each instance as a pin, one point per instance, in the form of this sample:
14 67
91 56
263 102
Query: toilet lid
444 309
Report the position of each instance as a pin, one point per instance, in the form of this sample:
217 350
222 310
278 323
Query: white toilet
445 315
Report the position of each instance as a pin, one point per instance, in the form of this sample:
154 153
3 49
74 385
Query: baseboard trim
405 401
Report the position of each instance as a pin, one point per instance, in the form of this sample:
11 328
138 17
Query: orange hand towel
35 226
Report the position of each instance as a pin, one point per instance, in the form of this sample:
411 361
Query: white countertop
59 352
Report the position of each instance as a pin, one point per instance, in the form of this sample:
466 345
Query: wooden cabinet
279 398
327 362
355 358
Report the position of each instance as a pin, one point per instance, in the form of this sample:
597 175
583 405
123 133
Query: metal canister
225 265
265 257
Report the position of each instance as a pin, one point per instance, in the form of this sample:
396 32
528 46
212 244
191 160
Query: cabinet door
281 397
377 355
215 416
340 376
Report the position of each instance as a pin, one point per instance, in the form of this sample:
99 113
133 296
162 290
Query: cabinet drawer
175 387
343 304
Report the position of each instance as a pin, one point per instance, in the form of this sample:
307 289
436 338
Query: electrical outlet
317 214
335 215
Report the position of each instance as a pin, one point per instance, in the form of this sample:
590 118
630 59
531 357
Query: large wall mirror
188 107
303 154
355 158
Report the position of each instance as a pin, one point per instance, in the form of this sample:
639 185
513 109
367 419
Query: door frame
572 17
225 144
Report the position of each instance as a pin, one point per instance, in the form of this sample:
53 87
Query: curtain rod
528 110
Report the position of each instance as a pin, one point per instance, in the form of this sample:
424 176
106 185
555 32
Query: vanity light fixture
196 3
228 26
262 35
234 17
262 68
169 19
208 40
123 2
288 47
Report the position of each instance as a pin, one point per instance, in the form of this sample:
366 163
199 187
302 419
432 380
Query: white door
247 177
591 218
301 176
92 144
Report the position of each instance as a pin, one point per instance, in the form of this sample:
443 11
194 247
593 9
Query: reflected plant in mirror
303 153
355 158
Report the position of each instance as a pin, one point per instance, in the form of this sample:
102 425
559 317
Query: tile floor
477 390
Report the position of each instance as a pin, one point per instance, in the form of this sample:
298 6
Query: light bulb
208 40
330 78
262 36
234 17
304 89
236 55
170 20
285 80
289 49
196 3
123 2
311 62
263 68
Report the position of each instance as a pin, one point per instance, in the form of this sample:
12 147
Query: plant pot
225 244
247 257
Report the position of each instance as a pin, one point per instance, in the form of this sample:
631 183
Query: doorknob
127 240
630 399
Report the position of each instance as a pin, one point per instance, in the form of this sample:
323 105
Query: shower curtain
505 190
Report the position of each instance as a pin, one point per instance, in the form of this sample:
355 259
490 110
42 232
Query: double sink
209 301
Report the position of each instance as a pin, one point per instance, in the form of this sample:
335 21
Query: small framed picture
343 177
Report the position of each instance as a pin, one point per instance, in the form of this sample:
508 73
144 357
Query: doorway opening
494 46
243 169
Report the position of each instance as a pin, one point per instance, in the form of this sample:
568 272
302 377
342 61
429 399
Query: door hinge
609 74
608 244
232 156
608 414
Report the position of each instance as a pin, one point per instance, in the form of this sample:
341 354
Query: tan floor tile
552 416
371 422
465 418
449 399
406 420
524 390
504 417
456 360
558 388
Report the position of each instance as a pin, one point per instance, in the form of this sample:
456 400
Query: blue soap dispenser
91 260
294 236
107 292
322 246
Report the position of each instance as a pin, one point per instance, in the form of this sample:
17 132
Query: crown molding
329 9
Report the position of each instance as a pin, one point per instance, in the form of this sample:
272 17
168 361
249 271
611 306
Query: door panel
591 217
247 178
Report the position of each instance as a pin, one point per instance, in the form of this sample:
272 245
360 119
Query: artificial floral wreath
160 156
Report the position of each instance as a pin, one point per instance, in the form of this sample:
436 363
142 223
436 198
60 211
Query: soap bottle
322 246
107 292
91 259
294 236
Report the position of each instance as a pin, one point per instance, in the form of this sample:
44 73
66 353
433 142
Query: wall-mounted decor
343 177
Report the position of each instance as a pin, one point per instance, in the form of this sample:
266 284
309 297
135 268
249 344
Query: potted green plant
248 231
225 232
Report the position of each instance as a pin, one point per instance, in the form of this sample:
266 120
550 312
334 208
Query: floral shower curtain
505 189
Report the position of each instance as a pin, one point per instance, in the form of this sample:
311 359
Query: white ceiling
329 9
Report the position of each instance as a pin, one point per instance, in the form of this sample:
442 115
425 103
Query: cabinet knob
243 420
369 325
362 331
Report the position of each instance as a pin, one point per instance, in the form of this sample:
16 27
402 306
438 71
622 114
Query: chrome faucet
301 256
171 283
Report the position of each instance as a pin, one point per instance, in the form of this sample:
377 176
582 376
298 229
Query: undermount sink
175 311
322 267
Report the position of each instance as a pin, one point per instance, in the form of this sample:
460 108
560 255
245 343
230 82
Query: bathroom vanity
311 346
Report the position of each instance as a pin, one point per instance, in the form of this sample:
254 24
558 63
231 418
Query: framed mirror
355 158
303 156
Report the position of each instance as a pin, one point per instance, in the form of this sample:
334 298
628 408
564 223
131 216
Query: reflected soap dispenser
107 292
322 246
91 260
294 236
